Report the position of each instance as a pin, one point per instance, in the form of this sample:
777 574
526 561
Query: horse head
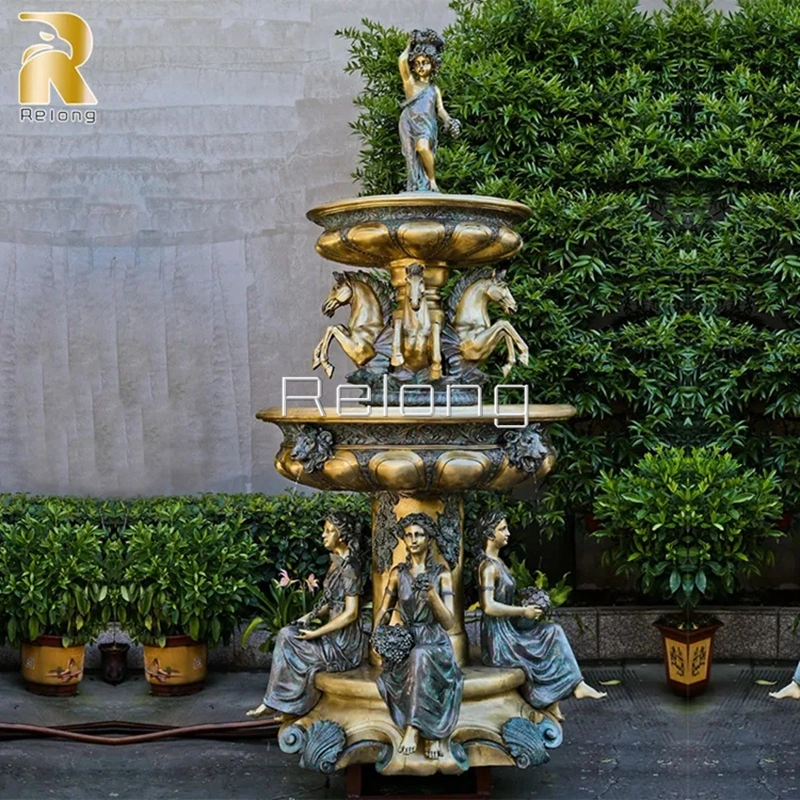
340 294
416 285
498 291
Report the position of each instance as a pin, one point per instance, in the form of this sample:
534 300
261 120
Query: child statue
540 649
338 645
792 689
419 130
423 687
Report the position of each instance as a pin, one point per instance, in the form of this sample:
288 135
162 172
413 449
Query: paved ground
734 743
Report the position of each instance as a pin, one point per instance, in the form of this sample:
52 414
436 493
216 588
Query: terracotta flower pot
51 669
687 657
114 661
178 668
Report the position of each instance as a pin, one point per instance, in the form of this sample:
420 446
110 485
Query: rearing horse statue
469 318
370 303
416 342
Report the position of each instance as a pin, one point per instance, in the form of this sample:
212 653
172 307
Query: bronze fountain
419 443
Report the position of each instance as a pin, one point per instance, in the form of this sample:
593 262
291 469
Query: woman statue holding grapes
421 682
513 635
419 130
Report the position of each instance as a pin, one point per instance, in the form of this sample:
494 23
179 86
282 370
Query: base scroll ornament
324 744
528 742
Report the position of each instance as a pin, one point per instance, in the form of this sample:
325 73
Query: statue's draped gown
540 649
296 662
425 690
418 121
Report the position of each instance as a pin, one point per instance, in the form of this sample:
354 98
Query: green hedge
286 528
660 153
164 564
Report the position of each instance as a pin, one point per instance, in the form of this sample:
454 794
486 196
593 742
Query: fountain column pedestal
410 465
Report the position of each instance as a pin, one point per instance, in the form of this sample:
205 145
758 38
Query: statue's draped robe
540 649
296 662
425 690
418 121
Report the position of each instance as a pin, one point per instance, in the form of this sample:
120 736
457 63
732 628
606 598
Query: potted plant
114 654
186 582
687 524
52 591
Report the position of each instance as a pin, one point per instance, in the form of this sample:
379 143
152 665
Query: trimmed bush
688 524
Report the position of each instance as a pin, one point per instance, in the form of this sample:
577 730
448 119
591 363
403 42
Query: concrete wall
157 273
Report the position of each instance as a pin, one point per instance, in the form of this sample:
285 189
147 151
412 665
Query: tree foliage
660 154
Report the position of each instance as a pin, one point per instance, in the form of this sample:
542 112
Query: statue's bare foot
263 711
555 711
434 187
397 361
792 690
584 690
436 373
434 749
410 741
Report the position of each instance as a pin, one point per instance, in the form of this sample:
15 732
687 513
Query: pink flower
285 579
312 583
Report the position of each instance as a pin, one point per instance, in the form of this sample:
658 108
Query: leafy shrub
192 578
658 289
51 578
687 523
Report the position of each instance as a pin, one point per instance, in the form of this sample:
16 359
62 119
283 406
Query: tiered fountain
419 355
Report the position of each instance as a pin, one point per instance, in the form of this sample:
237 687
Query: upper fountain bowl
446 230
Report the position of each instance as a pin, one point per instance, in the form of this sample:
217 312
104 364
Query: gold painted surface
516 212
479 682
458 415
52 666
352 700
453 230
398 470
460 469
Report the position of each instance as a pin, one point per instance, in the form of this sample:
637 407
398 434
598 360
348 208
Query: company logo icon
44 66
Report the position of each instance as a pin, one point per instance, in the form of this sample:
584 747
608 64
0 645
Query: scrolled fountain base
352 725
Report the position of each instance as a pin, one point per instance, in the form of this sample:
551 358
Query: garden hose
146 733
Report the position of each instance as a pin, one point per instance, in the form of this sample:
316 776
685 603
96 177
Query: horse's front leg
524 353
356 348
397 359
320 356
481 346
511 360
436 351
321 351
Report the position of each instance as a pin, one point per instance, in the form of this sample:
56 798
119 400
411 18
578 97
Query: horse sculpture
469 318
370 303
416 342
